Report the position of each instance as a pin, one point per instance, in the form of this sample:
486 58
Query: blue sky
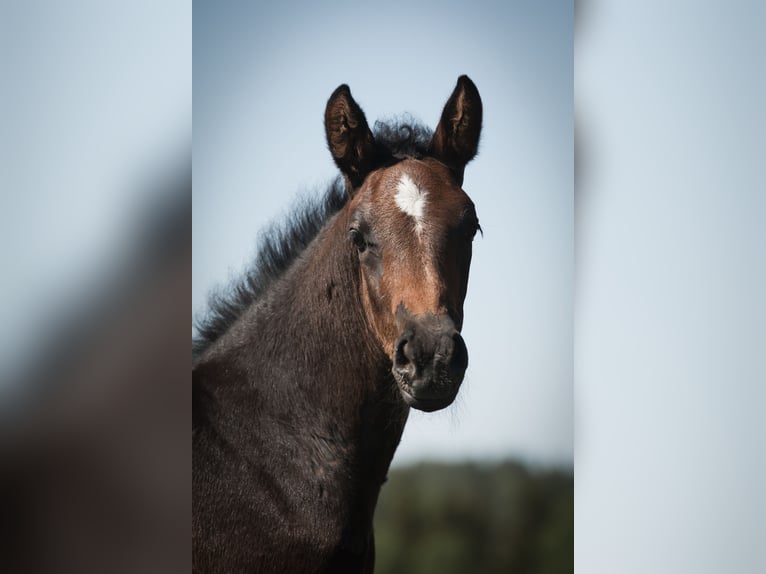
262 76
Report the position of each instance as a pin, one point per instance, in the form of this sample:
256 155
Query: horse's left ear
456 139
349 138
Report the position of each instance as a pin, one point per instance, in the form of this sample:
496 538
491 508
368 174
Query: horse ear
456 139
349 138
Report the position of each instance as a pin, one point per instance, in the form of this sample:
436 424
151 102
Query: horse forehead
420 191
411 198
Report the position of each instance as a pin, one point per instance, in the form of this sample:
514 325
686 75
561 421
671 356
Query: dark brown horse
303 378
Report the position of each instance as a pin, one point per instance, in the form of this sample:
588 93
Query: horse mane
280 244
403 137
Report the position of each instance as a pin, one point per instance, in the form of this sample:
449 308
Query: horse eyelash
361 243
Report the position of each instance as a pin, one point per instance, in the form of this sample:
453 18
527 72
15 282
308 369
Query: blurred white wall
670 315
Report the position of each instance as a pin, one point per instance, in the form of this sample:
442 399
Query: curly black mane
282 242
403 137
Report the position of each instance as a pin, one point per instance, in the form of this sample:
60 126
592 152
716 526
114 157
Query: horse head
411 225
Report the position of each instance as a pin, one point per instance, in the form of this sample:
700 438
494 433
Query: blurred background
95 216
486 485
670 313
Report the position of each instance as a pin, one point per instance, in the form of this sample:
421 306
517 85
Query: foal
303 384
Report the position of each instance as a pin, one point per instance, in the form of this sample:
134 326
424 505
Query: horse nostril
403 362
459 362
400 357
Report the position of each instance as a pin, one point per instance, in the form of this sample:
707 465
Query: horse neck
304 359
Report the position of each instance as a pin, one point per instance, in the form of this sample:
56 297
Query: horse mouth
426 399
427 405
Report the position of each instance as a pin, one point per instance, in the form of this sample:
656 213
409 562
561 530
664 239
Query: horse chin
427 404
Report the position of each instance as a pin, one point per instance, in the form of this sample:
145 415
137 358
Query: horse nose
430 359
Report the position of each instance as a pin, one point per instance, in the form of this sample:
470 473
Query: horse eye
357 239
473 230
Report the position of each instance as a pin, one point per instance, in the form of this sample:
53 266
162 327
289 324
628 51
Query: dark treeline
475 518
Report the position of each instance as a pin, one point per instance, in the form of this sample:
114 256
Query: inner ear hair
349 138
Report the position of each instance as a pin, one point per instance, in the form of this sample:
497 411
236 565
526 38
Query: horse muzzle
429 361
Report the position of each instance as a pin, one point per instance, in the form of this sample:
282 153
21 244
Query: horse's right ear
349 138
